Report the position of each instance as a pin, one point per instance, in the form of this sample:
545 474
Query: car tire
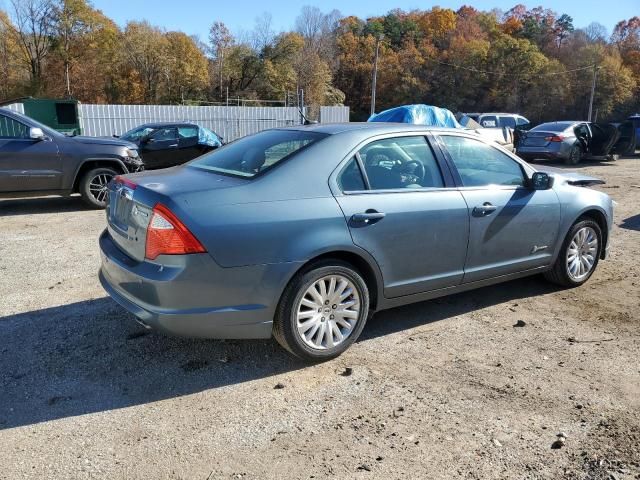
93 186
326 315
574 247
575 155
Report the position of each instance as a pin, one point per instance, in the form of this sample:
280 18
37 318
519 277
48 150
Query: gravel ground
441 389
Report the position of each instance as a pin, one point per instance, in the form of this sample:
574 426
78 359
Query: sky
195 16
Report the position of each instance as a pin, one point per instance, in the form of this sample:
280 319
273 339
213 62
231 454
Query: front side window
401 162
136 134
12 129
480 164
164 134
257 153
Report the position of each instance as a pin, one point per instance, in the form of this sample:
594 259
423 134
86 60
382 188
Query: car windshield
257 153
553 126
136 134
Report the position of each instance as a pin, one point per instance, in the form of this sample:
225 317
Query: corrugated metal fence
16 107
229 122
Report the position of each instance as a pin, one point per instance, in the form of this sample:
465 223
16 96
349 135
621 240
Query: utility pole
593 90
374 80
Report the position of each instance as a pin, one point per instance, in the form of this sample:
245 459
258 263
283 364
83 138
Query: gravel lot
442 389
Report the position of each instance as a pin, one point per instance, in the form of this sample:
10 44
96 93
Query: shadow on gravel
415 315
31 206
91 356
631 223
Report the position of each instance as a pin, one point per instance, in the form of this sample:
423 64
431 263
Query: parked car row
38 160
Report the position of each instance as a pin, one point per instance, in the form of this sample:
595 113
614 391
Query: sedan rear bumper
196 299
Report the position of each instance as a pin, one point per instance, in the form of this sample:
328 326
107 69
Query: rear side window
489 121
187 132
350 179
480 164
257 153
401 162
10 128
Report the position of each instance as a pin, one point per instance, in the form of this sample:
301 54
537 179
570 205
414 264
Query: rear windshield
553 126
257 153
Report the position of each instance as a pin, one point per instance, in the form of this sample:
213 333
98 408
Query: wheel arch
362 263
600 218
90 164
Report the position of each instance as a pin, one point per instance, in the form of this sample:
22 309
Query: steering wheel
418 169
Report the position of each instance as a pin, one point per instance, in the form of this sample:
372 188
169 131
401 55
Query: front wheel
579 255
322 311
93 186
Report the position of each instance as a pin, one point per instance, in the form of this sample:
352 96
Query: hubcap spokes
98 186
582 253
328 312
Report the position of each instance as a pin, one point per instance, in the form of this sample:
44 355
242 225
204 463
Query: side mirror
541 181
36 133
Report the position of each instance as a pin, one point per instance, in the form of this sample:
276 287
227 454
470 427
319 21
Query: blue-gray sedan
300 233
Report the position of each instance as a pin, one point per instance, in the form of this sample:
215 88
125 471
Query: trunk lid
130 207
535 139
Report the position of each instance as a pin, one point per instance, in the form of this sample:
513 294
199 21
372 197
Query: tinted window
9 128
553 126
402 162
187 132
137 133
257 153
480 164
163 134
350 179
508 122
522 121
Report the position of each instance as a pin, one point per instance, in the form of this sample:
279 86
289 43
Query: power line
489 72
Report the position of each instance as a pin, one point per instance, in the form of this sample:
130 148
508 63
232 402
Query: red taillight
126 182
167 235
554 138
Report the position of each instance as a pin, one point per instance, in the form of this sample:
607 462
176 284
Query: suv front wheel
93 186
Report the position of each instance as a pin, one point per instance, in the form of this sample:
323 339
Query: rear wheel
322 311
93 186
579 255
575 155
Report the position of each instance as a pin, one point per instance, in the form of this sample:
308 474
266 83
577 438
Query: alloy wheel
98 186
582 253
328 312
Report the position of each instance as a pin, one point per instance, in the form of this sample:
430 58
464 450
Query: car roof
370 127
166 124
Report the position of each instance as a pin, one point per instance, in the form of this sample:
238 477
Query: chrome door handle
485 209
173 145
367 218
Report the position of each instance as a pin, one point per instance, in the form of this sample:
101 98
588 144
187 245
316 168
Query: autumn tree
31 29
